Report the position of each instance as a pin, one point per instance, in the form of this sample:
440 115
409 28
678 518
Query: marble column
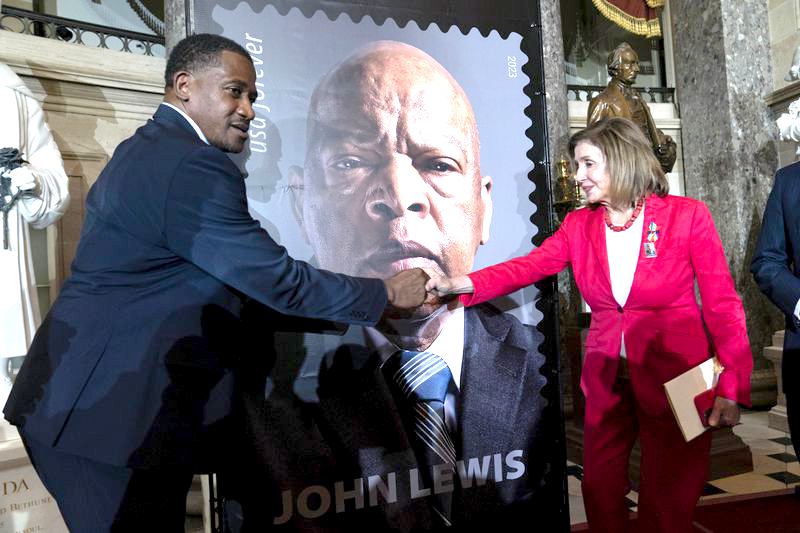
723 74
555 80
176 13
558 135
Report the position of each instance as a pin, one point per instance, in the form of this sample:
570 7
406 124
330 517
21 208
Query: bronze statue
620 99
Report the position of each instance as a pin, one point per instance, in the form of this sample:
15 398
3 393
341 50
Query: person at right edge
636 253
776 268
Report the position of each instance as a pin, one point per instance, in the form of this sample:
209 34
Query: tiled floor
774 467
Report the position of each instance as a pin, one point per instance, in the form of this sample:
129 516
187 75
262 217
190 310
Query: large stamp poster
387 137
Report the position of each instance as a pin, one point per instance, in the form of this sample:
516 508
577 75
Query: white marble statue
789 124
794 70
43 177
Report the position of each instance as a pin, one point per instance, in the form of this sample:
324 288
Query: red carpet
771 512
766 512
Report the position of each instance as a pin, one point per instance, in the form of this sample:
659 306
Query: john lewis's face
392 175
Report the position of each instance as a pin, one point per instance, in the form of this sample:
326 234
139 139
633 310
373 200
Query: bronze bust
620 99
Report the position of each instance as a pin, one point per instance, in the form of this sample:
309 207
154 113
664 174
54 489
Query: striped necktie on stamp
422 378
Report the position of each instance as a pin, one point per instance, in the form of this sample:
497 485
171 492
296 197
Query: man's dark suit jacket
341 424
132 365
776 263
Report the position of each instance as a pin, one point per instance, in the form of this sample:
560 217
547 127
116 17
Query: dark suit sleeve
207 223
774 251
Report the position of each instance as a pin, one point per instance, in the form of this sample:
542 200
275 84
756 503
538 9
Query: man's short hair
615 57
197 52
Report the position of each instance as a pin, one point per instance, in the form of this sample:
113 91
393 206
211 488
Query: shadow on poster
389 136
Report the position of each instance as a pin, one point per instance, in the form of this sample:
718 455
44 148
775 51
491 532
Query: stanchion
213 516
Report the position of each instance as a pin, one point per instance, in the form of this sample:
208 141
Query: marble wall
723 74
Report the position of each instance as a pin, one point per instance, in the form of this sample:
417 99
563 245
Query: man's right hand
406 289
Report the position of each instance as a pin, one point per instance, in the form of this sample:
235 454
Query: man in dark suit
392 180
776 267
127 389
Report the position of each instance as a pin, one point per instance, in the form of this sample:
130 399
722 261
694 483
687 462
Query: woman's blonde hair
631 164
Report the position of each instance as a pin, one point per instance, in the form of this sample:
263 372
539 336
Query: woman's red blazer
662 321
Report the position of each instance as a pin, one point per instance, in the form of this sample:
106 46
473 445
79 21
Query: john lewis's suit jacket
343 425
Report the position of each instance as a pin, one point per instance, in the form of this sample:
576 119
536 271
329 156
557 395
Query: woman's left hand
724 413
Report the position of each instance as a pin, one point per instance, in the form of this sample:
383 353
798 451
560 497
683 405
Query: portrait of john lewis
392 180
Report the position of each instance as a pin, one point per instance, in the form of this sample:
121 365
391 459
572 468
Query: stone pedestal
730 456
774 353
25 505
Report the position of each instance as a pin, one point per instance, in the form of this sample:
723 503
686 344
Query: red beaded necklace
629 223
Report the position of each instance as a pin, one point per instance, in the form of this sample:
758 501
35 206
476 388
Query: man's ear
486 200
296 185
181 85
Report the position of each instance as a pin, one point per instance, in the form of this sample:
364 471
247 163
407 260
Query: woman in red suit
636 254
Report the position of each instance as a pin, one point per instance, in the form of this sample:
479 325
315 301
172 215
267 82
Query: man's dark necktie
422 378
